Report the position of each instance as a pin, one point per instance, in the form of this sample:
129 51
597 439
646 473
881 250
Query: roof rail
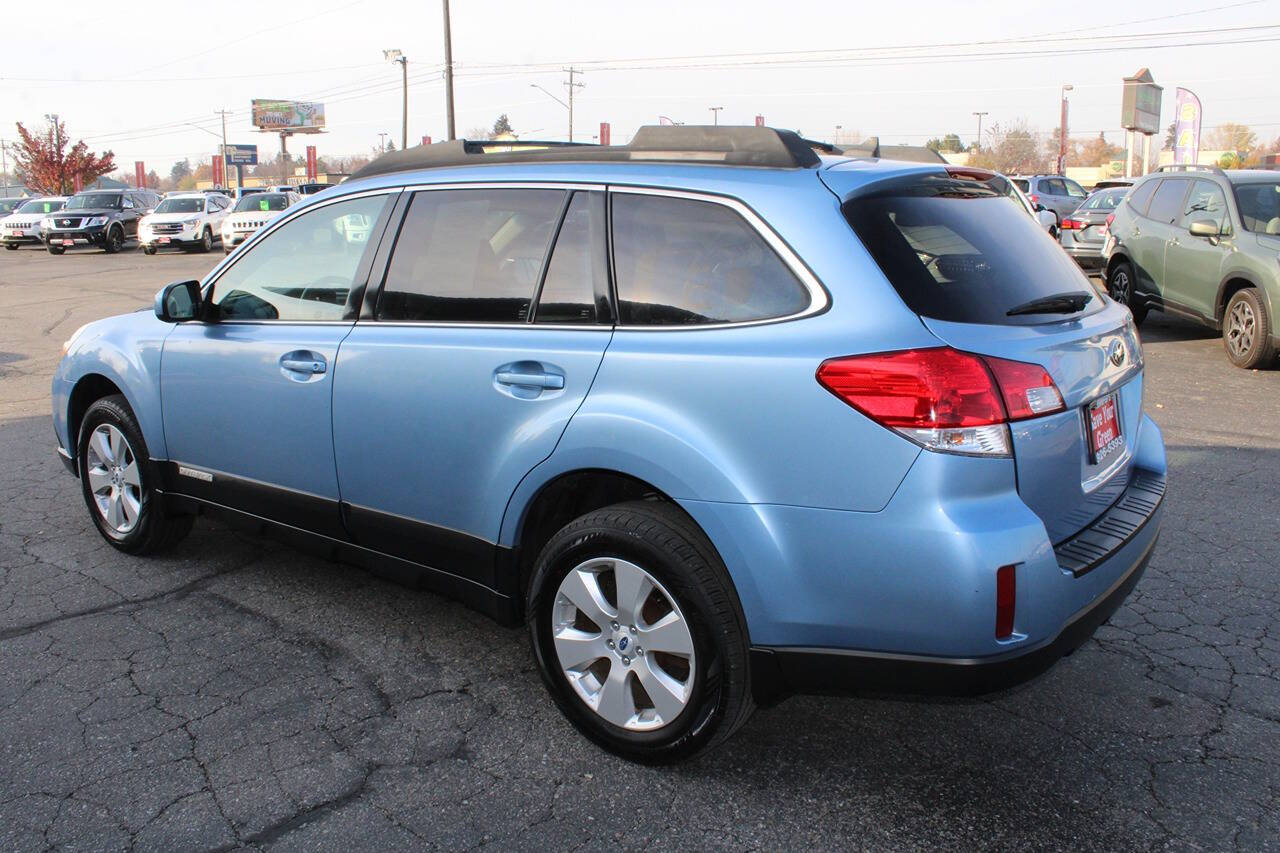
704 144
1184 167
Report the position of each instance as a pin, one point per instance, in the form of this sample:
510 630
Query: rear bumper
1088 256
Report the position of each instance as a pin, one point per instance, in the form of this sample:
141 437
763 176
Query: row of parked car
110 219
1193 241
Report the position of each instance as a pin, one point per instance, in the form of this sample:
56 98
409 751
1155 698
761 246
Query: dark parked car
102 218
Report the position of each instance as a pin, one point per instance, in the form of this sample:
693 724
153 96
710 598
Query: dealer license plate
163 241
68 242
1105 440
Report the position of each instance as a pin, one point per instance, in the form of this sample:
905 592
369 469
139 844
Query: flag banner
1186 131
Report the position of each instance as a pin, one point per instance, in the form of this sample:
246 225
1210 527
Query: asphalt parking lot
237 693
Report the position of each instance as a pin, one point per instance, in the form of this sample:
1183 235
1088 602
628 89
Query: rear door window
682 262
470 255
577 264
1140 197
1166 204
956 250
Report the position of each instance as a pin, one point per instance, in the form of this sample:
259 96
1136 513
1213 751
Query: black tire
114 241
673 550
153 531
1246 330
206 241
148 250
1120 283
56 250
11 246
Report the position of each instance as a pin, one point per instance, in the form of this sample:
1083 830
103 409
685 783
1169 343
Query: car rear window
1023 184
1140 197
956 250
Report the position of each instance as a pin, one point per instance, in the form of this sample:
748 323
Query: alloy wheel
1120 286
115 481
623 644
1242 326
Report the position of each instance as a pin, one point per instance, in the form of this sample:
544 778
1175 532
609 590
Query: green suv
1203 244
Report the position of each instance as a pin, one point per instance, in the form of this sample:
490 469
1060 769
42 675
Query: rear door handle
530 380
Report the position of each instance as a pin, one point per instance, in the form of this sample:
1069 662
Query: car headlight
96 220
187 223
66 345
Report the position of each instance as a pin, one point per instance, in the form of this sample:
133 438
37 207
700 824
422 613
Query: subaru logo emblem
1116 354
623 643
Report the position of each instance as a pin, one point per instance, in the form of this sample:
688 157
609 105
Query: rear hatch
985 279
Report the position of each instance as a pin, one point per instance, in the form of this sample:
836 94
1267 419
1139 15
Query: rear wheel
638 634
114 241
115 482
1246 330
1120 288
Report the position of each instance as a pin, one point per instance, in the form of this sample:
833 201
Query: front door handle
303 362
530 380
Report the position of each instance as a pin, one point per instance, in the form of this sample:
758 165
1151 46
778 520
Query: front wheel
114 241
11 246
638 634
56 250
1120 288
206 241
1246 330
148 250
115 481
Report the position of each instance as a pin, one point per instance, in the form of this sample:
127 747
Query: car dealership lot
238 692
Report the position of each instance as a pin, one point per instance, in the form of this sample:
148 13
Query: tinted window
264 202
1259 206
1073 189
1140 197
577 264
955 250
682 262
41 206
1166 205
95 201
1205 203
1054 186
181 205
470 255
304 270
1023 184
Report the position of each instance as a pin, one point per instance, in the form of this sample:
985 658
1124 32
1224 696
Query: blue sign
242 155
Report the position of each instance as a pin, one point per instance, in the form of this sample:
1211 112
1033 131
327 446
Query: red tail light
1006 601
1035 199
941 398
1070 224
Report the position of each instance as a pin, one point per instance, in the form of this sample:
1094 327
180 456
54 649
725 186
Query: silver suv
1056 193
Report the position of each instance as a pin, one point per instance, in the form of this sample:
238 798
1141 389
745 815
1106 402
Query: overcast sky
128 80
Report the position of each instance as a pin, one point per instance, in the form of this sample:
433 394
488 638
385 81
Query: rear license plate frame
1103 427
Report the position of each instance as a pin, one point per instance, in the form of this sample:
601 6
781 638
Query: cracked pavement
237 693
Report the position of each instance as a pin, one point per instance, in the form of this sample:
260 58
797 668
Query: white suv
23 225
184 220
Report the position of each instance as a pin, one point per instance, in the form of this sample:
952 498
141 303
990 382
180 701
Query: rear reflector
941 398
1006 599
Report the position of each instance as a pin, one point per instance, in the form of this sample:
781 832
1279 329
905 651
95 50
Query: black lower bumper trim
779 672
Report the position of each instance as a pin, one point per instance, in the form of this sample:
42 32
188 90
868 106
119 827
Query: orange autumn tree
45 163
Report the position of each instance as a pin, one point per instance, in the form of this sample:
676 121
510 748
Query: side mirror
178 302
1204 228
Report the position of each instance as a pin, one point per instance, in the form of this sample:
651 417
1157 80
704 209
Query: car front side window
302 271
1205 203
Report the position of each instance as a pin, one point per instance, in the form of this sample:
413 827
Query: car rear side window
577 264
470 256
954 250
682 262
1140 197
1166 204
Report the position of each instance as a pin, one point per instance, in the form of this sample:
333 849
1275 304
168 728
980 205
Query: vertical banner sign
604 133
77 182
219 172
311 162
759 121
426 140
1186 132
140 174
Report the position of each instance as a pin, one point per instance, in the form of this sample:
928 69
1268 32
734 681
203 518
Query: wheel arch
1231 284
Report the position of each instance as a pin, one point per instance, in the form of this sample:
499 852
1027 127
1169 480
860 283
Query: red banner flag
219 171
604 133
140 174
759 121
311 162
77 182
426 140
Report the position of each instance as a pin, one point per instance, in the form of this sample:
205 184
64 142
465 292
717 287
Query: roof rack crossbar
724 145
1186 167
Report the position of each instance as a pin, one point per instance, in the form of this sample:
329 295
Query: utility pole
980 115
1062 130
715 114
397 56
382 141
448 75
571 71
223 113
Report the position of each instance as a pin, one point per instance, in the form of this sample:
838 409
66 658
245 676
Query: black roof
723 145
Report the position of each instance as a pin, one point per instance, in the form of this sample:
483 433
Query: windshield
1104 199
95 201
957 250
262 202
1259 206
9 204
181 205
1023 184
41 205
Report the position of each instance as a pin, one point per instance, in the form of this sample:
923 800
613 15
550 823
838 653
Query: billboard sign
1140 109
242 155
303 116
1186 131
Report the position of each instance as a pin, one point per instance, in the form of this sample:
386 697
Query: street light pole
397 56
1062 130
382 141
448 74
715 115
978 142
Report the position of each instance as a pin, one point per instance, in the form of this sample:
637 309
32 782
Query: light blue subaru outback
723 414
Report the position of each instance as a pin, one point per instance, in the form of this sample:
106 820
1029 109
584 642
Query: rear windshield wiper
1059 303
